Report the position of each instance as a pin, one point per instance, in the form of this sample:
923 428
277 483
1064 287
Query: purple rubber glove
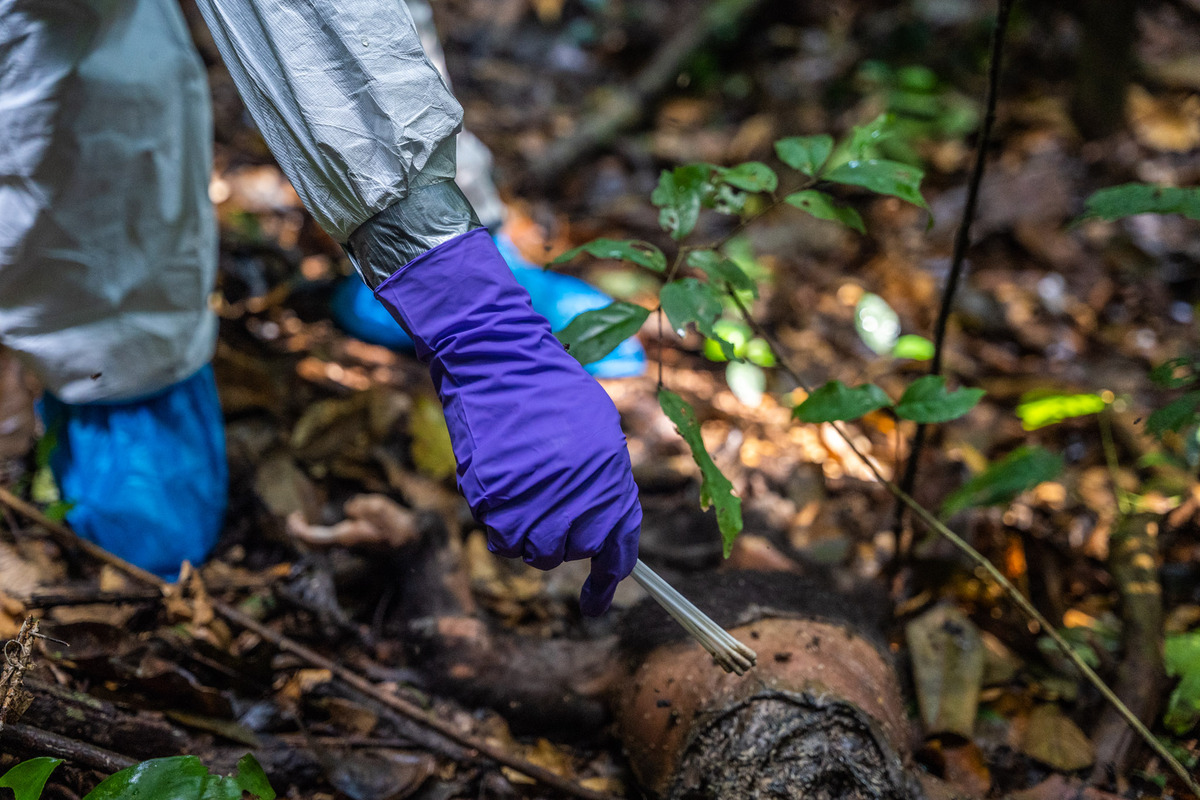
541 457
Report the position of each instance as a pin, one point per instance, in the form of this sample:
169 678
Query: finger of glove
614 562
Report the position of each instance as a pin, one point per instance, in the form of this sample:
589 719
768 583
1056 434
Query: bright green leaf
638 252
184 778
28 778
1175 415
805 153
1003 480
927 400
1038 412
679 195
1181 655
759 352
918 348
835 402
877 324
722 270
732 334
1116 202
687 300
747 382
882 177
594 334
715 488
821 206
753 176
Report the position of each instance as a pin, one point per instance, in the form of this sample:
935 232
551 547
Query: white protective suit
107 241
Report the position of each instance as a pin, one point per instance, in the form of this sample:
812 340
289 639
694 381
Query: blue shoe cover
148 478
558 298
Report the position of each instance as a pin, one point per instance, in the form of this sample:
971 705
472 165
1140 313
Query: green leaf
835 401
28 778
927 400
1175 415
1126 200
865 139
877 324
721 270
688 300
758 351
882 177
184 778
1181 655
1038 412
753 176
715 488
918 348
431 450
747 382
1176 373
594 334
821 206
679 195
1003 480
636 251
805 153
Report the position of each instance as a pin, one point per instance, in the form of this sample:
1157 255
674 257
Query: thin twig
1007 586
962 240
65 536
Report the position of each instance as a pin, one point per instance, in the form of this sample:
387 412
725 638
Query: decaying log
820 716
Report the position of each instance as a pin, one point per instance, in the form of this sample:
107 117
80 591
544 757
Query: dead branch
17 655
1133 563
628 105
43 743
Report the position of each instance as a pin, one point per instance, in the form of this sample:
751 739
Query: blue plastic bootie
147 478
558 298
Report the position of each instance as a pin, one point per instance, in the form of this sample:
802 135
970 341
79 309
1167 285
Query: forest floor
337 440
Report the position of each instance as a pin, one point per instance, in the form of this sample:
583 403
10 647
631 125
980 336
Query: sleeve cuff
429 216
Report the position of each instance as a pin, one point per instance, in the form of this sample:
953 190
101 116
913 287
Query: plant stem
962 240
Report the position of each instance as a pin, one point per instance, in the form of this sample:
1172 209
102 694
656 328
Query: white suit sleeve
355 114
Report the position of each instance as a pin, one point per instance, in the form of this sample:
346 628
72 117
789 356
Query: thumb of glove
612 564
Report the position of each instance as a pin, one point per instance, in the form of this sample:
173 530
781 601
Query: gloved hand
541 457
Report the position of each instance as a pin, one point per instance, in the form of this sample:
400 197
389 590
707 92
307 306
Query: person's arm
363 126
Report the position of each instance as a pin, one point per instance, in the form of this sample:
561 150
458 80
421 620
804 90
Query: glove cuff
428 217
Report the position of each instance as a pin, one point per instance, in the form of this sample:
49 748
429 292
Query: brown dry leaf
349 716
965 768
491 577
17 576
948 658
545 755
1053 739
1164 124
1000 664
285 488
348 427
377 774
